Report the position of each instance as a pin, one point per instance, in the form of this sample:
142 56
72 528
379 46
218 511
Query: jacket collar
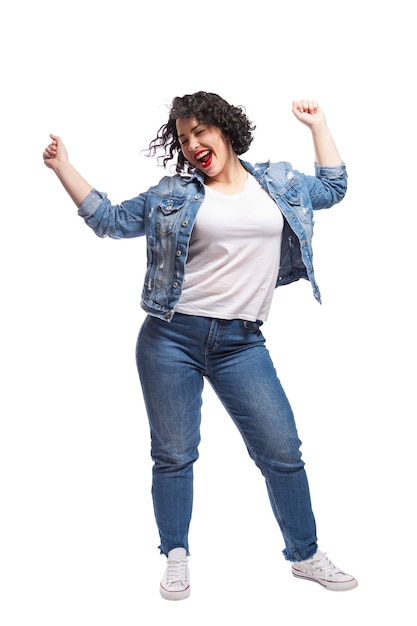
258 170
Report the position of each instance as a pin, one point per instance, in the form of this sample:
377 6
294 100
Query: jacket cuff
90 203
325 171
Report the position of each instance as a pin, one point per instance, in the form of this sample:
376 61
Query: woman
221 235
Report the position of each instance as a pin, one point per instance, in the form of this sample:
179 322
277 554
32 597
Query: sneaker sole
174 595
343 586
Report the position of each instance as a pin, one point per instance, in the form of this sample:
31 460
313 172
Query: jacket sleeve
328 186
122 221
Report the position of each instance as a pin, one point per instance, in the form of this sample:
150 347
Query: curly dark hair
207 108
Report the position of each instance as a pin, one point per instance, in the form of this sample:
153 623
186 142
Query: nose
193 144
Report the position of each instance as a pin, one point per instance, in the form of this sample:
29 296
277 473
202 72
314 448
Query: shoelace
324 564
177 571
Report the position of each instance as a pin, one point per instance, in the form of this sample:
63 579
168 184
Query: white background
78 543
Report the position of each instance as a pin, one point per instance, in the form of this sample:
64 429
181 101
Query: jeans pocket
252 326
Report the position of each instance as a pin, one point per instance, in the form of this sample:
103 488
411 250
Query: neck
231 180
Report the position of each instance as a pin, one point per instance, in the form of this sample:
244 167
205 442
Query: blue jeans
173 359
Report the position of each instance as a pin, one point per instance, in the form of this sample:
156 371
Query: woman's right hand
55 156
55 153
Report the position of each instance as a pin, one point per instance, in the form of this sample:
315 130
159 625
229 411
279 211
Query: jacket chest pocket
294 200
168 213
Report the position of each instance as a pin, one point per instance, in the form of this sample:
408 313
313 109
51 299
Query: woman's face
204 146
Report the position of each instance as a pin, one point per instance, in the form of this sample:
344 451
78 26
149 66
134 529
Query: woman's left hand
308 112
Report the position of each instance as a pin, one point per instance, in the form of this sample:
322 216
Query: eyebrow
191 130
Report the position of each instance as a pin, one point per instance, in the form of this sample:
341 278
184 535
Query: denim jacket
166 213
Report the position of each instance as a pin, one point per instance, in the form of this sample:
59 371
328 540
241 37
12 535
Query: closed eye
184 141
196 133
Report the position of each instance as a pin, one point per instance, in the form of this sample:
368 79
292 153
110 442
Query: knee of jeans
285 458
282 459
171 460
281 465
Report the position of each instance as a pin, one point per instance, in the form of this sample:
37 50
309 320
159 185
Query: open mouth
204 158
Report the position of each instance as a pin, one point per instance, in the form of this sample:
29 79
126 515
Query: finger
49 152
312 106
307 106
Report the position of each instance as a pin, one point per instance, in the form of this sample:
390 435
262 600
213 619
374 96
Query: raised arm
55 157
309 113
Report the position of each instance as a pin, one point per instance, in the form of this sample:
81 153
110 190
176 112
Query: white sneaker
175 583
320 569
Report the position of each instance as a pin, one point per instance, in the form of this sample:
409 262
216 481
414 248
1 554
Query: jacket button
175 284
178 252
185 223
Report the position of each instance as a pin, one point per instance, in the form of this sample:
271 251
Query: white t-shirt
234 255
